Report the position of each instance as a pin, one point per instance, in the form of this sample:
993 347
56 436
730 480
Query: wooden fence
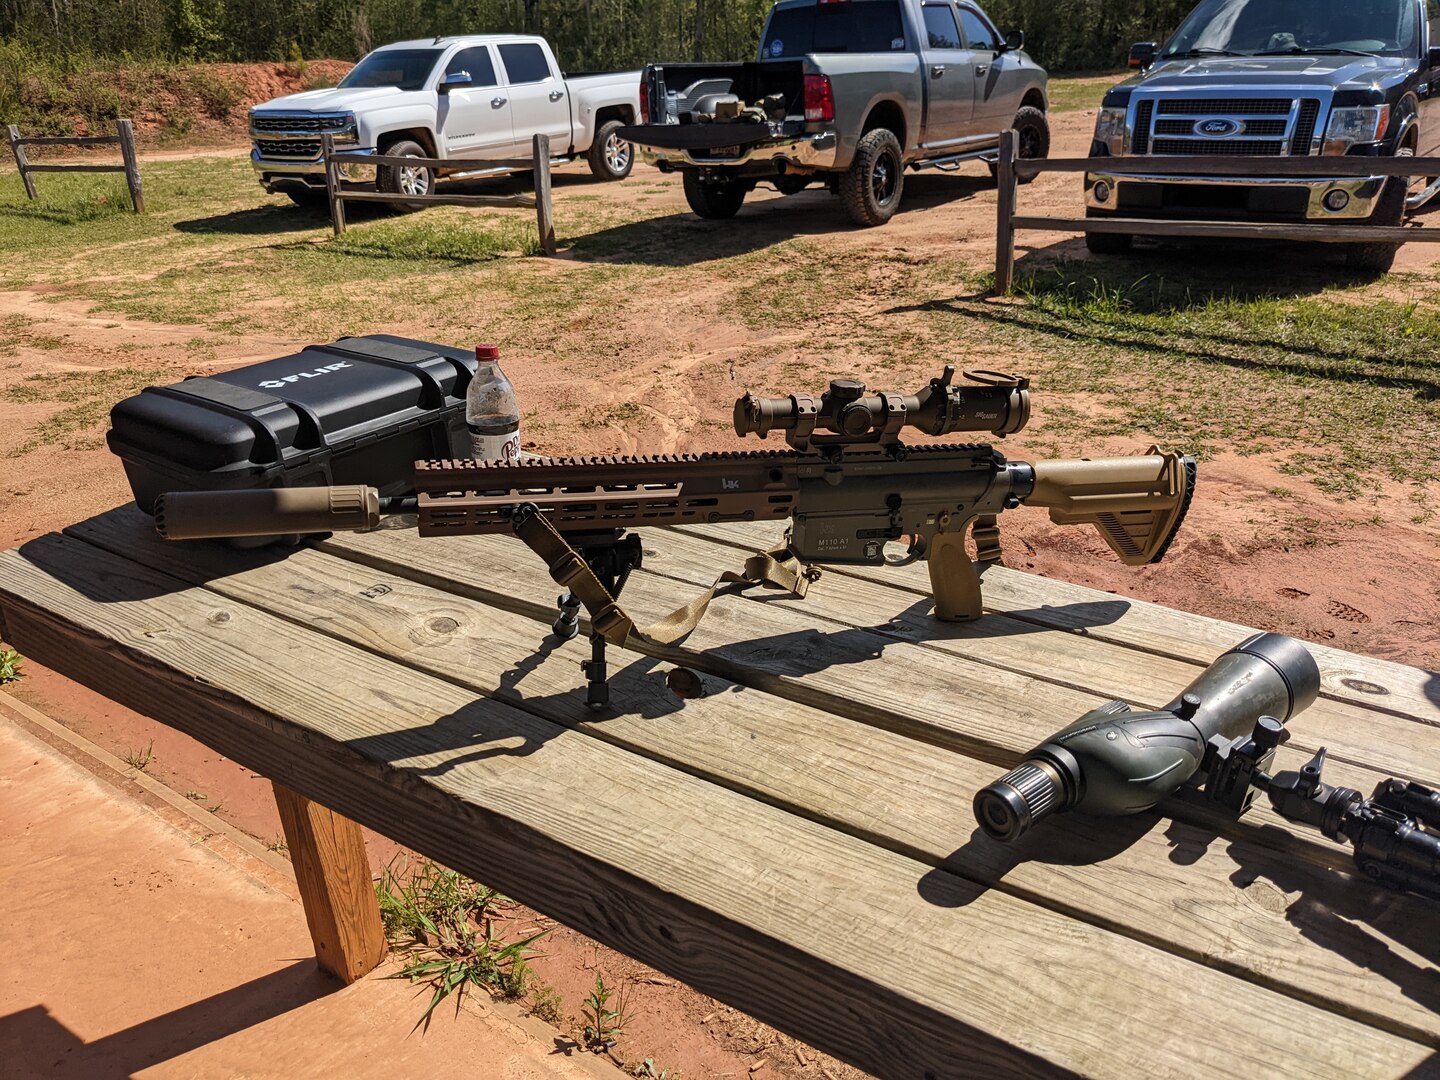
1011 170
540 200
124 136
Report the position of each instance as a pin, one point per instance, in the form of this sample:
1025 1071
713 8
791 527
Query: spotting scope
1115 760
991 401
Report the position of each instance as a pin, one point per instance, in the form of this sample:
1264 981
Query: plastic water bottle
490 409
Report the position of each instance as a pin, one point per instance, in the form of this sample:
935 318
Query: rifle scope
1117 761
993 402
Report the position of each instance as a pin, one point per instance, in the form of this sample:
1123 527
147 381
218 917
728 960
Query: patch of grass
87 397
651 1071
603 1025
453 238
452 941
1076 93
278 845
545 1003
10 662
1210 365
138 759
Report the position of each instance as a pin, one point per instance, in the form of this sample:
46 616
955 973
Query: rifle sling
776 568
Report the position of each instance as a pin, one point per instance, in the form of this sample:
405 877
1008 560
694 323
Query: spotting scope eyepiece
1116 760
991 401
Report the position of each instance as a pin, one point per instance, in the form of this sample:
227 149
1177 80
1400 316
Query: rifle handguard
1137 503
210 515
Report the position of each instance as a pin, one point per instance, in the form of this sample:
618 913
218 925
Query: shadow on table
38 1045
1371 926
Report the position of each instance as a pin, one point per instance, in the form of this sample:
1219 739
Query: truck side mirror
1435 56
1142 54
1014 41
453 80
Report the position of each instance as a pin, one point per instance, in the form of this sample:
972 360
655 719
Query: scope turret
991 401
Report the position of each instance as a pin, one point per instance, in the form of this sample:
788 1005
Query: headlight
348 132
1362 124
1110 129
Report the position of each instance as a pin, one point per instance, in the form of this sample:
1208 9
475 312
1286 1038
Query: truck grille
1218 147
295 125
1226 107
1305 126
289 148
1224 126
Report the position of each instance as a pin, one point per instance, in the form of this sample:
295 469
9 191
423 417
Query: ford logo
1217 127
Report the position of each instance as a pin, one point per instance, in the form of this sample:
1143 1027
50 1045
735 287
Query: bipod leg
597 686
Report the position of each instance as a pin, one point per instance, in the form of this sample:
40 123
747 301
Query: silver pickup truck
847 94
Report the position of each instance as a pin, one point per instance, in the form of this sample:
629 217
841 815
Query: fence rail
541 200
1010 170
124 137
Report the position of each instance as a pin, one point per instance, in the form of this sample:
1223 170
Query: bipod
610 554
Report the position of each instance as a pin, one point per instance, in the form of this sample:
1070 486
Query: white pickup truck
481 96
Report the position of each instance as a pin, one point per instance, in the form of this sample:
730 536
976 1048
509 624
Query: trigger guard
915 551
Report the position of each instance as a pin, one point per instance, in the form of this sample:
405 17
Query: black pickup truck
1275 78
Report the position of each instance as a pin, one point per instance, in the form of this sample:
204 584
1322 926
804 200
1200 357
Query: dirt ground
662 376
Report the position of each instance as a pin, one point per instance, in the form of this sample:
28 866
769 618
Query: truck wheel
405 179
1032 130
870 189
1377 259
610 157
1100 243
308 198
712 199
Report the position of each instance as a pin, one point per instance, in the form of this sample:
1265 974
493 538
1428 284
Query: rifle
848 485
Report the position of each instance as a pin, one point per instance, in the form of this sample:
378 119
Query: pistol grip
953 578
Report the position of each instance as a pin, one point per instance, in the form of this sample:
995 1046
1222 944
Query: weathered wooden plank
518 199
22 163
51 168
990 713
544 204
68 140
125 133
786 918
1382 685
1352 733
1006 193
1226 905
333 876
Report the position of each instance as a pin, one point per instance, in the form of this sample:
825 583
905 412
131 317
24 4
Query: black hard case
360 411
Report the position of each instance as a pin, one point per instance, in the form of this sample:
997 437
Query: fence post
544 210
332 184
1005 214
126 130
21 162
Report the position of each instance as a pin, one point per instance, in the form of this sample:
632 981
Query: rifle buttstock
1136 503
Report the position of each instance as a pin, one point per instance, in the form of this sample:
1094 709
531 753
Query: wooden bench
799 841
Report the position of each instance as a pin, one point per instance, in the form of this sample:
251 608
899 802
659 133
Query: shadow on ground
36 1044
683 239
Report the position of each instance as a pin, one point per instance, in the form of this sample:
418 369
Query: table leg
333 873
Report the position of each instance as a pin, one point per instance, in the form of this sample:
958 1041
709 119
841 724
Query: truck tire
715 200
1033 132
1106 243
1376 259
870 189
404 179
610 157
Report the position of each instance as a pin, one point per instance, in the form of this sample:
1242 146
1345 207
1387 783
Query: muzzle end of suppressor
1007 808
210 515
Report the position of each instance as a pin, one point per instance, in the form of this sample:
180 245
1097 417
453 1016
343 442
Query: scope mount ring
985 377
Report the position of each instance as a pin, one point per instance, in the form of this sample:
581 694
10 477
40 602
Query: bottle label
504 448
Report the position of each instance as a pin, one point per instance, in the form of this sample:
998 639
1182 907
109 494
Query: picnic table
799 841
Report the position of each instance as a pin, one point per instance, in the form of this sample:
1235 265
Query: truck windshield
1299 27
858 27
404 69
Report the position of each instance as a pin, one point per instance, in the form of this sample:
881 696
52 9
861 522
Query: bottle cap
487 352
